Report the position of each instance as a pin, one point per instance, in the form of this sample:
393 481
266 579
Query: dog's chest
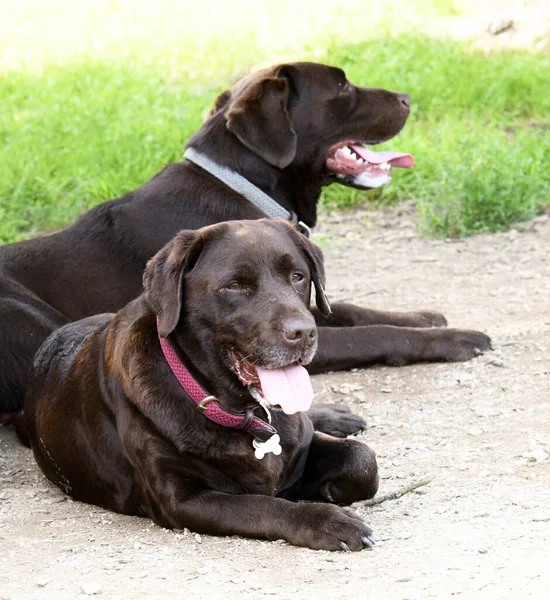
266 476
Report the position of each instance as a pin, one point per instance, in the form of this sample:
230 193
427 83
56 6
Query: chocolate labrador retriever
187 405
276 136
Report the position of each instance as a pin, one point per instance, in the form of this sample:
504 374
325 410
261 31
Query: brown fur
110 424
275 128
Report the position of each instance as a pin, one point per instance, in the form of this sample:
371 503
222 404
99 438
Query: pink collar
209 405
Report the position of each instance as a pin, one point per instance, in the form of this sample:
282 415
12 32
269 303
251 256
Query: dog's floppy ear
219 103
260 120
314 258
162 279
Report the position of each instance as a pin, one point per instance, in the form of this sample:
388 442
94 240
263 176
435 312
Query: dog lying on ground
163 410
286 132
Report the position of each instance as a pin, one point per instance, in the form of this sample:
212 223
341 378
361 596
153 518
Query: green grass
479 130
96 100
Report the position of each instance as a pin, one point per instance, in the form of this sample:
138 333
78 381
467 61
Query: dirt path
481 529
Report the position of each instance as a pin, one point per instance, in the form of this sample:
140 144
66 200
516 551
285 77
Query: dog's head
309 114
238 293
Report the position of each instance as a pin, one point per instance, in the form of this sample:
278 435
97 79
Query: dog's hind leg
17 419
337 471
25 322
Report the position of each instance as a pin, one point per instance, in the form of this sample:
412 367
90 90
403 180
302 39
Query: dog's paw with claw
329 527
336 420
429 318
367 543
458 345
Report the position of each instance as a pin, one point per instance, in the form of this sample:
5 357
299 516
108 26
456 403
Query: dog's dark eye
235 286
297 277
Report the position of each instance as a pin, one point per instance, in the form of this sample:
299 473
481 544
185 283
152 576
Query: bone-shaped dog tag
272 444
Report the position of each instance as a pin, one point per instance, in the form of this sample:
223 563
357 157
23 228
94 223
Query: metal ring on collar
202 405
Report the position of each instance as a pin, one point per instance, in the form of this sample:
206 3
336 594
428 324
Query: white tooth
383 165
346 150
360 161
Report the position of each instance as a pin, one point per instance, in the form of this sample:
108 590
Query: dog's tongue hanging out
289 387
394 159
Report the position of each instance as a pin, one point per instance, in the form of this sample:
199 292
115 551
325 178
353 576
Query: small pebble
91 588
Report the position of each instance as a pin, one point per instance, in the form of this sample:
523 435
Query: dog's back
60 408
114 419
286 131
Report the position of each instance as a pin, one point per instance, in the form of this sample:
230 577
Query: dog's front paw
335 420
329 527
430 318
457 345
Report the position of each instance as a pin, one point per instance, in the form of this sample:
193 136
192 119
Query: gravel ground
481 429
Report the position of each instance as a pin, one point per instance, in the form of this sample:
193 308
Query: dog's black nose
299 330
405 99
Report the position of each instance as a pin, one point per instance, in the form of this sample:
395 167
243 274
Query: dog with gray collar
283 133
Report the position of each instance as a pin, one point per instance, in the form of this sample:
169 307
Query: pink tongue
396 159
290 388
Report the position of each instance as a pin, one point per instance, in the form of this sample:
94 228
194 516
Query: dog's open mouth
371 169
288 387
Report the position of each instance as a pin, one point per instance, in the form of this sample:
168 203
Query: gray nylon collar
242 186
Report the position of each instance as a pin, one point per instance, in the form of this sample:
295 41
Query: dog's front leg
180 490
344 314
315 525
176 501
348 347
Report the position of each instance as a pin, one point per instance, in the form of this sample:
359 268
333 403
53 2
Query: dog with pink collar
191 405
